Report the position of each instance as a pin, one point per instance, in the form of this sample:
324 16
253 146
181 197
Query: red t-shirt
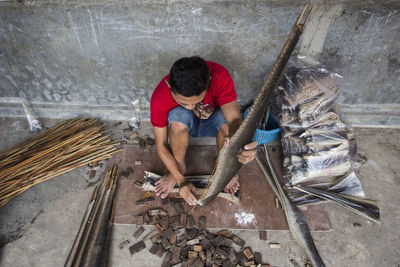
220 92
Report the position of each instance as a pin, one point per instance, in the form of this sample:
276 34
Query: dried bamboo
92 241
58 150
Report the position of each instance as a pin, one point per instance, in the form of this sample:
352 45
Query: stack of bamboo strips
91 244
60 149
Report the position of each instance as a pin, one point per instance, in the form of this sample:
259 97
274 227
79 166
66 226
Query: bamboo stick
60 149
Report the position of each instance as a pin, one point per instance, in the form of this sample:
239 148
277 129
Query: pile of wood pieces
182 242
91 244
133 138
58 150
319 149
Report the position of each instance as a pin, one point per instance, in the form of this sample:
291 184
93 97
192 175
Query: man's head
189 76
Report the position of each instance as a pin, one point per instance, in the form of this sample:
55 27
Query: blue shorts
197 127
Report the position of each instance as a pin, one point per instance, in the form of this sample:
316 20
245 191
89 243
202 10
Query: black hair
189 76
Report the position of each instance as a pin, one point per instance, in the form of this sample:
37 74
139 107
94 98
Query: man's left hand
247 153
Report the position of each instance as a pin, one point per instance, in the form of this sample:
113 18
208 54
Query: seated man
197 98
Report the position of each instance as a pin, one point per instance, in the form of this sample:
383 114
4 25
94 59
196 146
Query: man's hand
187 191
245 154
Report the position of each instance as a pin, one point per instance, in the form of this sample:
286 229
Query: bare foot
233 185
164 185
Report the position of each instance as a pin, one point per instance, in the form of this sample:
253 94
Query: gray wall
67 58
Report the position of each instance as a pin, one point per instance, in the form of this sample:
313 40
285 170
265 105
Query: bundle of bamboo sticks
91 244
60 149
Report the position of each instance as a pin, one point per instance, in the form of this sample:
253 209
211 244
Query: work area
190 133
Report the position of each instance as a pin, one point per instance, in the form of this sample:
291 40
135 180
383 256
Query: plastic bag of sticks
318 147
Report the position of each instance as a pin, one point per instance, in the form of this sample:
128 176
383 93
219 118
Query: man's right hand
187 191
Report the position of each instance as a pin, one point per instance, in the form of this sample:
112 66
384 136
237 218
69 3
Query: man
197 98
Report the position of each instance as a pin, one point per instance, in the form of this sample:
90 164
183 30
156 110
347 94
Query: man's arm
161 137
232 116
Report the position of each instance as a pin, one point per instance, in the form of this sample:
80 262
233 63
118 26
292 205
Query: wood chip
150 141
174 219
222 252
178 208
147 194
248 253
205 243
155 219
155 238
135 248
160 251
173 239
192 255
176 251
180 231
165 201
139 232
190 221
192 242
92 174
164 222
146 218
167 260
144 201
183 218
225 232
153 250
158 228
191 233
240 242
182 243
249 263
263 235
202 255
165 243
274 245
167 233
133 135
277 203
138 184
163 212
123 244
153 212
208 257
138 162
148 234
124 174
197 248
177 200
197 263
221 240
257 258
139 220
227 263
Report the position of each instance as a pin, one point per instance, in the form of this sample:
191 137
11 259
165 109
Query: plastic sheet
134 121
319 149
34 124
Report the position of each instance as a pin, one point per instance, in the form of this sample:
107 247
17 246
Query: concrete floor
38 227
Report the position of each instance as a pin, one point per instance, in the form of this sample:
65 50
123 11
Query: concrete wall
67 57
